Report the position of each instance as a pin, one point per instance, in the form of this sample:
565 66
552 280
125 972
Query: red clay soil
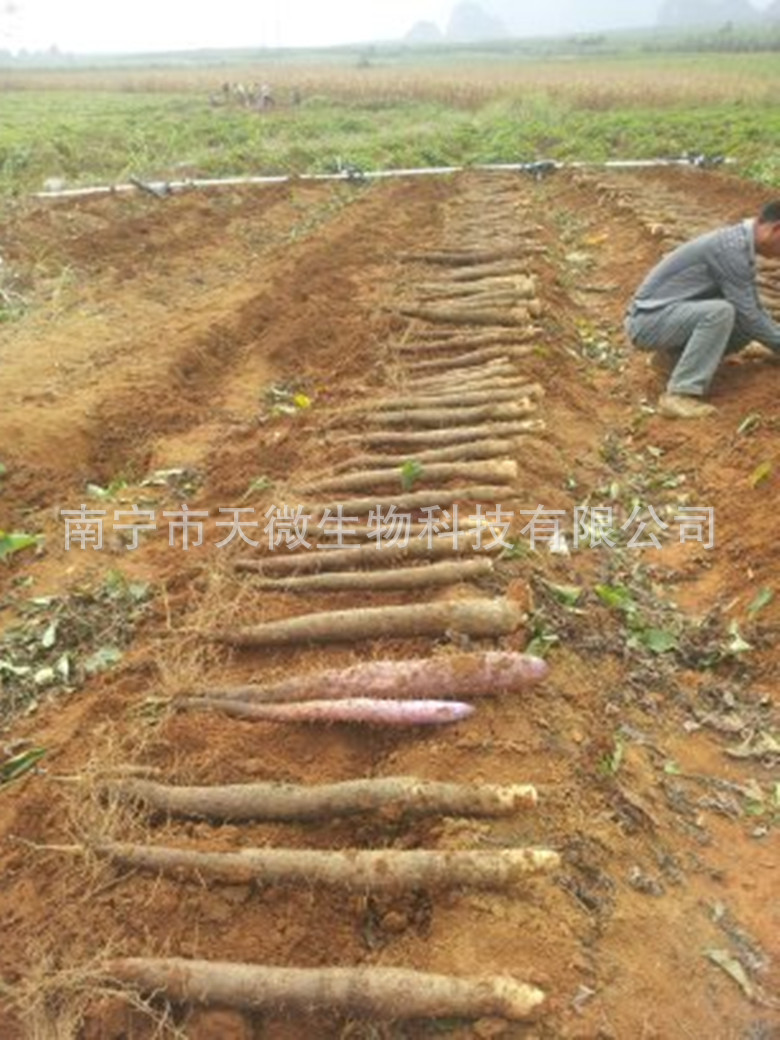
153 333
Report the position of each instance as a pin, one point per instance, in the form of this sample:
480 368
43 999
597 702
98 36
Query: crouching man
701 303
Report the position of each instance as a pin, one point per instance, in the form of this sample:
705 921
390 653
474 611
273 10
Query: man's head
768 230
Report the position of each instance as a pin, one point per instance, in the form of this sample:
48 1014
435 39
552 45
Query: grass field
102 124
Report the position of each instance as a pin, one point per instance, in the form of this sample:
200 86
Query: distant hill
572 16
470 22
679 13
424 32
496 19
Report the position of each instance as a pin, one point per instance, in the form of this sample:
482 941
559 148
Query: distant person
701 303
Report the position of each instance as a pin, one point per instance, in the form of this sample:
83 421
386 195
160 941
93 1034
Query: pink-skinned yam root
355 709
446 676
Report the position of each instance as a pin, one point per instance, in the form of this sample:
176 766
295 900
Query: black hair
770 213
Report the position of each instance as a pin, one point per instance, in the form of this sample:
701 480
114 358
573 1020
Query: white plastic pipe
166 187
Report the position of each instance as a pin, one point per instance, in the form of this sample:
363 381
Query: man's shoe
756 352
683 406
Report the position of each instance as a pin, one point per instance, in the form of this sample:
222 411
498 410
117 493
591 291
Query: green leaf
3 470
734 969
755 809
610 763
411 472
737 645
616 597
62 667
657 641
19 670
761 474
20 764
671 769
516 550
138 591
256 485
13 542
104 658
568 595
49 637
763 598
96 491
749 423
542 642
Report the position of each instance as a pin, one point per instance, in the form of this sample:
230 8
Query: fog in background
89 26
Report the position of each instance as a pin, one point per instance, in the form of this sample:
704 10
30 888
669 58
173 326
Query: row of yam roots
463 424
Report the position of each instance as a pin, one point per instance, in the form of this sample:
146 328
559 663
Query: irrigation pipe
164 188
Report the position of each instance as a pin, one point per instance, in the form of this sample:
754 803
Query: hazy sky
85 26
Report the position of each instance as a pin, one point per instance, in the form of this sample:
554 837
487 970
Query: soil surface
229 349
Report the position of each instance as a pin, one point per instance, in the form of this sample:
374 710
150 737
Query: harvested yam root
384 993
414 500
453 435
466 341
483 449
480 619
498 269
477 358
376 554
367 480
387 869
461 257
462 315
522 286
397 794
446 675
465 398
454 416
430 576
477 382
371 711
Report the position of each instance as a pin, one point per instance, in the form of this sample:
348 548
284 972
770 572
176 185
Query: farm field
83 126
266 347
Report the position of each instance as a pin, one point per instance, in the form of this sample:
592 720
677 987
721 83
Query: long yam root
477 382
467 257
523 286
516 316
482 449
384 993
446 675
366 710
378 870
459 400
376 554
488 270
453 416
430 576
476 359
288 802
427 499
368 480
467 525
452 435
489 338
480 619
